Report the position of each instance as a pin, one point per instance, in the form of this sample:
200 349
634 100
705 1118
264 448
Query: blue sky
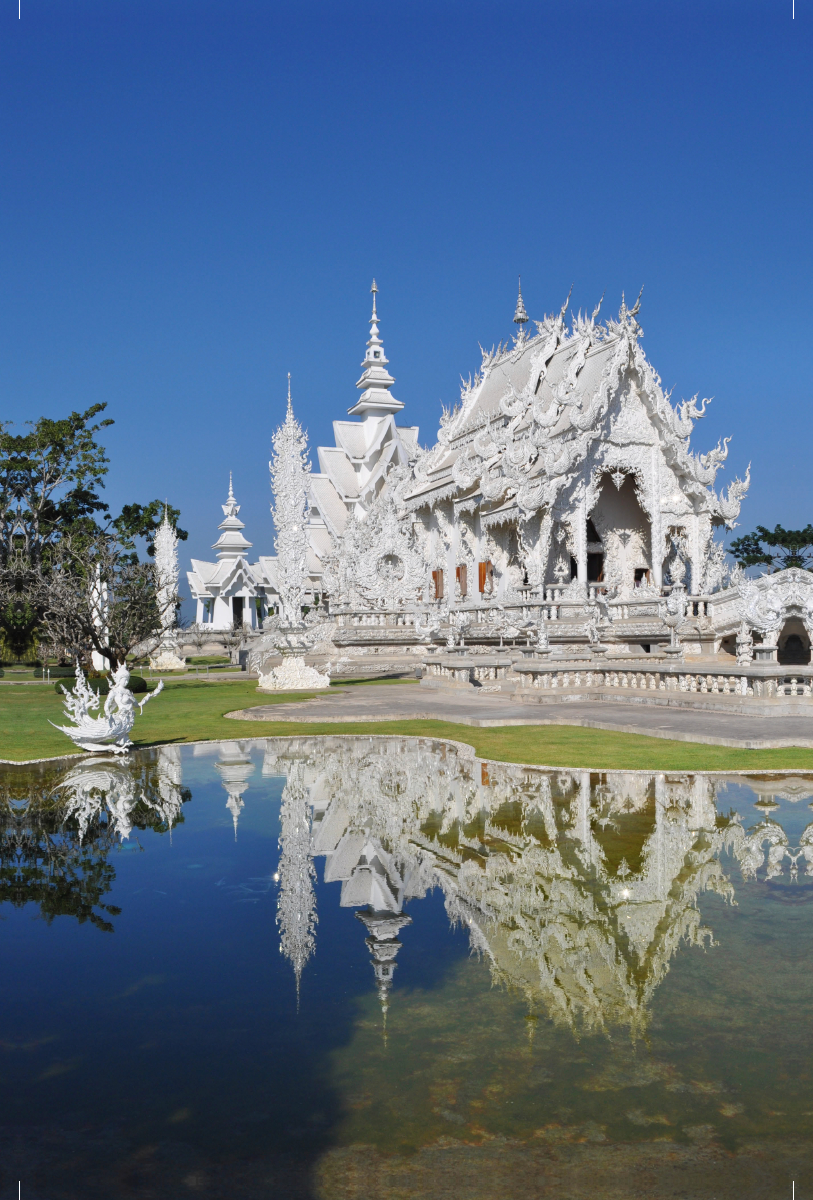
195 196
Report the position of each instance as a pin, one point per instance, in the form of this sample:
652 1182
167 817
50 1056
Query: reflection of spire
383 944
296 905
235 768
170 780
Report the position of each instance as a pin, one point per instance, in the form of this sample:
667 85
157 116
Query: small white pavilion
232 589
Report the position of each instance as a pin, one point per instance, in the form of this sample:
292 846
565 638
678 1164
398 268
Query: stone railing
374 620
526 676
731 681
459 669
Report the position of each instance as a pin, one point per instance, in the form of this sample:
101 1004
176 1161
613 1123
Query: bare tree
96 596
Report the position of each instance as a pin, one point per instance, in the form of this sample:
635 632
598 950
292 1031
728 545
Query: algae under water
364 967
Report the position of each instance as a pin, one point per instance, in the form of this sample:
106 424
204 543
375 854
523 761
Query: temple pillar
656 523
580 531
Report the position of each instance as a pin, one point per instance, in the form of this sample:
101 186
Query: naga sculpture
111 729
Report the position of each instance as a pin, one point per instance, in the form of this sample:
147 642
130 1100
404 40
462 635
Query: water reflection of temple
59 827
577 888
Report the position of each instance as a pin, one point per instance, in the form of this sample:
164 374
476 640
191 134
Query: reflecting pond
365 967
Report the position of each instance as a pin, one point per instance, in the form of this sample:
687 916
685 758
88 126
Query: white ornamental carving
293 675
765 604
377 562
166 657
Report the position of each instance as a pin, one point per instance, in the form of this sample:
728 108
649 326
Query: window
461 575
437 584
485 576
642 576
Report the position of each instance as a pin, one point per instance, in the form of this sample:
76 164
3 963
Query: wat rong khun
560 541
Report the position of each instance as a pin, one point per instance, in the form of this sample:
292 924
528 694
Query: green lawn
190 711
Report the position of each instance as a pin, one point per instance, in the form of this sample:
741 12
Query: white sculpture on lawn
166 657
290 476
96 733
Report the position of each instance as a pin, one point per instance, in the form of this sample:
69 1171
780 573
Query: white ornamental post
166 657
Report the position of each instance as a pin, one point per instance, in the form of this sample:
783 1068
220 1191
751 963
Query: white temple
561 514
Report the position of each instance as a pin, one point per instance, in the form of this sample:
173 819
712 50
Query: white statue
95 733
166 657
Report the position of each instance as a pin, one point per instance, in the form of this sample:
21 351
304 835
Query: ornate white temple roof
545 409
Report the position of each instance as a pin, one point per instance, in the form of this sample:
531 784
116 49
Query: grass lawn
191 711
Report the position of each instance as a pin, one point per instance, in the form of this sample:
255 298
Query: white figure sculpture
290 473
96 733
166 657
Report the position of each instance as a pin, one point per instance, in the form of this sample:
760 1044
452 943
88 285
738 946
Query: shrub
101 684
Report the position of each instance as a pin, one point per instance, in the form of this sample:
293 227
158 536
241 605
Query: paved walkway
412 702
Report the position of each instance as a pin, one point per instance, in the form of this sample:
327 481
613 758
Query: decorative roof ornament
375 383
231 543
520 316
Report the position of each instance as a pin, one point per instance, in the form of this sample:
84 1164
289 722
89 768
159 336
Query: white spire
520 316
376 381
290 481
231 543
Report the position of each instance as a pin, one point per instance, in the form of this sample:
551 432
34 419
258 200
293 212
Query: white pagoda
232 589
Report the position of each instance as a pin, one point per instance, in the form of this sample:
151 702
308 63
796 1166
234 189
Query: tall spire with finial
290 481
520 316
231 543
375 383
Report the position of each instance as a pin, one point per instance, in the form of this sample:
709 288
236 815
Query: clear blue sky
196 195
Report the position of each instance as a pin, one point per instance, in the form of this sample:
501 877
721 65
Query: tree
778 548
48 482
96 595
54 527
137 520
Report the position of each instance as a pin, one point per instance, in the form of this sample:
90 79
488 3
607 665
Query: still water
380 967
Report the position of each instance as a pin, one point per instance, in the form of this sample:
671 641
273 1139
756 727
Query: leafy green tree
60 550
142 520
777 548
48 482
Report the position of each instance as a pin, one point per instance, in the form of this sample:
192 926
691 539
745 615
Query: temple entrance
595 555
794 644
237 609
618 549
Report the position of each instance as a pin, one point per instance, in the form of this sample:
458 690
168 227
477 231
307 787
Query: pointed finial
231 489
374 290
290 408
520 316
